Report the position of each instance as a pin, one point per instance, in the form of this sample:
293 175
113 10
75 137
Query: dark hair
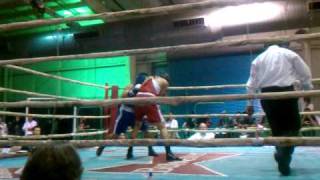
165 76
141 78
53 162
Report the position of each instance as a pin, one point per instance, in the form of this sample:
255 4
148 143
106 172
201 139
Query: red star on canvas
191 164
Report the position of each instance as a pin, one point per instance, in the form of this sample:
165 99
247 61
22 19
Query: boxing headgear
141 77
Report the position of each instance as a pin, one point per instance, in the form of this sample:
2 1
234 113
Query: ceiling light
244 14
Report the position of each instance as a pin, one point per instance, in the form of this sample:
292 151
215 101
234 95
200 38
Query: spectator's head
249 111
203 126
82 120
37 131
122 136
170 117
53 162
29 118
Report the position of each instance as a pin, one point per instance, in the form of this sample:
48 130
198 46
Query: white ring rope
163 100
236 130
31 71
11 137
8 113
55 116
2 89
189 47
228 115
219 142
216 130
227 86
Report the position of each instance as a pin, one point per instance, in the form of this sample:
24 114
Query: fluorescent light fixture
79 11
84 10
51 4
72 1
68 35
55 36
90 22
64 13
67 13
50 37
244 14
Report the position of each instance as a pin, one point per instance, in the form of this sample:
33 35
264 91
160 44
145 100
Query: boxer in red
152 87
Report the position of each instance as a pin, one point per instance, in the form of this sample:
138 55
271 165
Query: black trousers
283 117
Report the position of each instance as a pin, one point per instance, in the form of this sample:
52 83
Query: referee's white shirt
278 67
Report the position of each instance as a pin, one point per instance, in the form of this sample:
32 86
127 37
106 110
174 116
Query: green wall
114 71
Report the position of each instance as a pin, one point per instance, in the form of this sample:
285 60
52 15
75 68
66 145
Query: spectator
3 128
122 136
83 124
224 121
188 124
53 162
205 120
309 120
17 126
248 121
307 104
202 135
172 123
29 126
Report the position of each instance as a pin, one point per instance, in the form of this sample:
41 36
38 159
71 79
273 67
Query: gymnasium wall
114 71
227 69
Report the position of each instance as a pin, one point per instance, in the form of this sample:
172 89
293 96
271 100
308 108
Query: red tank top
148 87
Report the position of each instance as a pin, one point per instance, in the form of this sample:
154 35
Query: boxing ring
199 163
234 158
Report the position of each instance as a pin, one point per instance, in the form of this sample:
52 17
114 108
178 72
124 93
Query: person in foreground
53 162
276 70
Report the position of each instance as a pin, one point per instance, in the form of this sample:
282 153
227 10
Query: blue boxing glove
133 92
